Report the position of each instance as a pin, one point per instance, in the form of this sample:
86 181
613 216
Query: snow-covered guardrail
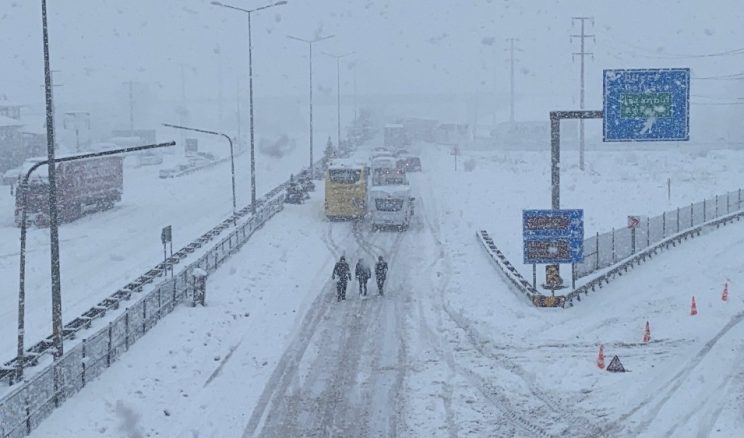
623 266
112 302
24 407
499 259
525 287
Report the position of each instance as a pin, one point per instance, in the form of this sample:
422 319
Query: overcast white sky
416 46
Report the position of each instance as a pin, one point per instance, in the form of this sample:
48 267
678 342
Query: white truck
390 206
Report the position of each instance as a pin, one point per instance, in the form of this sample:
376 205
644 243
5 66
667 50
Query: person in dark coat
381 269
341 271
362 273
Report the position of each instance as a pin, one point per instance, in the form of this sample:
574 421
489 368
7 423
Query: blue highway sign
553 236
647 105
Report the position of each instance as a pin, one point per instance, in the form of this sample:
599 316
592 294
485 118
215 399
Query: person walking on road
381 269
341 271
362 273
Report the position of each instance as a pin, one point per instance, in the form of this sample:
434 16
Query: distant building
452 133
11 143
11 111
530 134
420 129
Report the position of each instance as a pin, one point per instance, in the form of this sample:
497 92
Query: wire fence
22 409
607 249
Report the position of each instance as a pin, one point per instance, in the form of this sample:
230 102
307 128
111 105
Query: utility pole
54 85
310 46
582 53
183 111
356 101
218 53
338 93
52 198
511 77
130 85
238 115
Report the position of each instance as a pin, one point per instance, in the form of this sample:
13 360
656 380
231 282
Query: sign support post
166 236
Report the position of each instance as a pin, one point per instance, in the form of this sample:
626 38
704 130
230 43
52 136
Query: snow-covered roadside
555 349
465 355
202 369
104 251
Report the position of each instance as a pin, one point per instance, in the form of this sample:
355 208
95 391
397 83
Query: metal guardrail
623 266
500 260
112 302
23 408
606 249
522 285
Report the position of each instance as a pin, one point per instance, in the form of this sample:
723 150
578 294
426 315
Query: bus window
388 204
345 176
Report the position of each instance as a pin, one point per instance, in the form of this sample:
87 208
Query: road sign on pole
166 236
553 236
647 105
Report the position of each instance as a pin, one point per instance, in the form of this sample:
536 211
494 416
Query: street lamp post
23 192
250 88
232 154
338 89
310 45
53 231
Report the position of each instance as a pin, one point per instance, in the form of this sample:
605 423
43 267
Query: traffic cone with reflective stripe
693 307
724 295
647 333
600 358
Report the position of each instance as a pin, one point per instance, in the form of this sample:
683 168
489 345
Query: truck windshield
345 176
388 204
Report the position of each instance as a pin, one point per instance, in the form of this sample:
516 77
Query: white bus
390 206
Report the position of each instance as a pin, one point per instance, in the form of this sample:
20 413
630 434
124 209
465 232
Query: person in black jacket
381 269
343 272
362 273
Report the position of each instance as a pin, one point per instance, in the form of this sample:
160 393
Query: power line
731 52
731 77
582 53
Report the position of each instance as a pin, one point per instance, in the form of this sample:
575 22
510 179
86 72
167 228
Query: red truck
85 185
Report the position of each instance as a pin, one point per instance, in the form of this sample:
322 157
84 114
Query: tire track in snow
335 370
574 424
672 385
286 368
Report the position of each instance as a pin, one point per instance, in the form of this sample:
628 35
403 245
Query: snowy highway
103 251
450 350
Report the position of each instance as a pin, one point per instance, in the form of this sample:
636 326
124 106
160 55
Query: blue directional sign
647 105
553 236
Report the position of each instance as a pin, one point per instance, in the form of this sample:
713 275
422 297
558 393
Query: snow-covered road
450 350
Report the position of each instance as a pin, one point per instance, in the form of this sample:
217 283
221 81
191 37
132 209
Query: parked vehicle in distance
172 172
149 158
409 163
85 185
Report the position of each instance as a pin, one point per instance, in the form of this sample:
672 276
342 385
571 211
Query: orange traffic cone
647 333
600 357
724 295
693 307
